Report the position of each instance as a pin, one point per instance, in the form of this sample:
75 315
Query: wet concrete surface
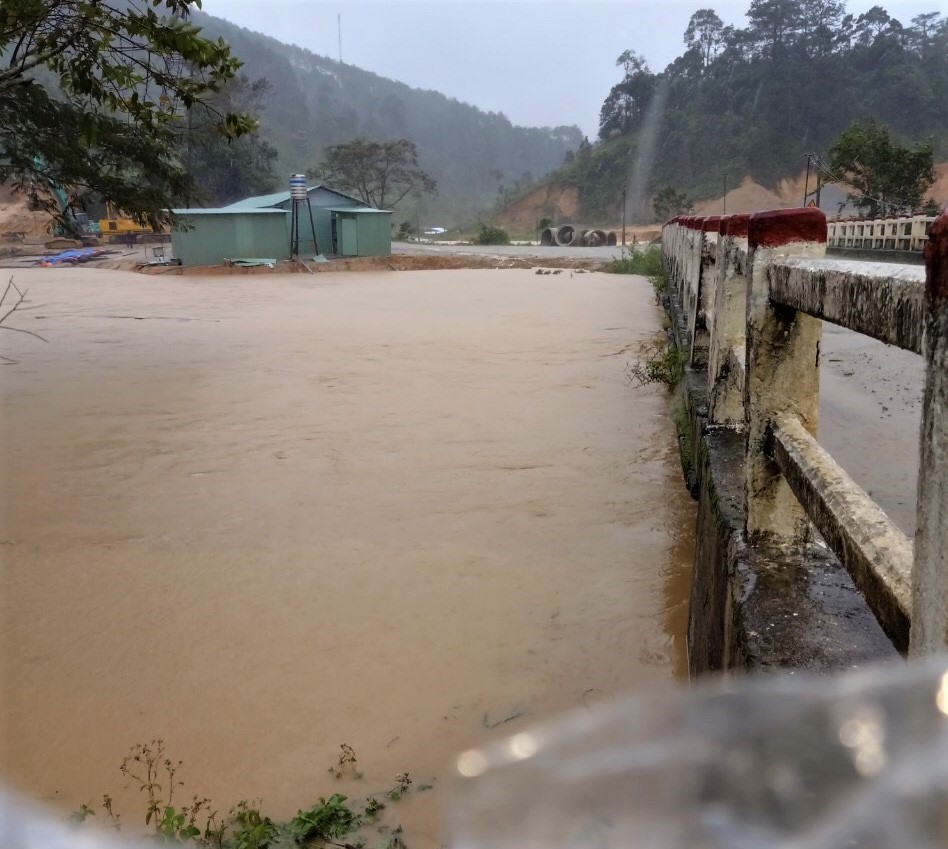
870 417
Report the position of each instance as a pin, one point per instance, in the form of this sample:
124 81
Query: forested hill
315 101
753 100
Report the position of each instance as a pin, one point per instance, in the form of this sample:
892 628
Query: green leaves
253 830
382 174
174 826
98 92
887 176
329 820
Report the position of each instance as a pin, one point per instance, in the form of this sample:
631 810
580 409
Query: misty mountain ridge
316 101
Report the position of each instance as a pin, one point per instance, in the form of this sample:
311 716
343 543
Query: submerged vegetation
647 262
335 820
490 235
662 362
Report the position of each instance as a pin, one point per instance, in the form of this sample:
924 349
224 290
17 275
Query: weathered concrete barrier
895 233
748 295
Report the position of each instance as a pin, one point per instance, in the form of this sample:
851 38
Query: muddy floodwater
262 516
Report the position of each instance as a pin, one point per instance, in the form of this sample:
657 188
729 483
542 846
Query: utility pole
724 211
819 184
623 216
339 26
806 185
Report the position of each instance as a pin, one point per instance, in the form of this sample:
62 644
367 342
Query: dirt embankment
562 202
939 190
550 200
395 262
18 223
746 198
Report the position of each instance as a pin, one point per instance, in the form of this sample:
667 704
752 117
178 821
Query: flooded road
263 516
871 416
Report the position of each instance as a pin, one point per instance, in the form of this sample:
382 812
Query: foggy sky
540 63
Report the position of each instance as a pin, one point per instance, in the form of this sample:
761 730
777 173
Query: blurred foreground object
857 760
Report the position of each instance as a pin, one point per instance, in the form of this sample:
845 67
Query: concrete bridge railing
749 294
902 233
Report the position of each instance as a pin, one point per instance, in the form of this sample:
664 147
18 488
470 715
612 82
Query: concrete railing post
694 252
706 272
673 258
782 368
726 395
930 572
684 263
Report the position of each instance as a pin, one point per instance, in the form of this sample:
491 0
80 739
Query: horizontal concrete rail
884 301
877 555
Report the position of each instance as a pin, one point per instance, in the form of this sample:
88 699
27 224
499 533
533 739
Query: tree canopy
94 95
754 100
226 169
886 176
669 202
381 173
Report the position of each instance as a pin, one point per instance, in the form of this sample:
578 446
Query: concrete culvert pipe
611 239
596 238
548 236
565 235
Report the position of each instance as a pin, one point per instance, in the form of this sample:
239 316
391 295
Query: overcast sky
540 62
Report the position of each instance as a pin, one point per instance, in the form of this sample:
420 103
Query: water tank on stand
298 186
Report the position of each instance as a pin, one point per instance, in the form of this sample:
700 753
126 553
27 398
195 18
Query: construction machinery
71 224
117 228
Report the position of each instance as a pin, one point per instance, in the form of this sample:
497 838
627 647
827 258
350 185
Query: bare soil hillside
555 200
748 197
17 221
939 191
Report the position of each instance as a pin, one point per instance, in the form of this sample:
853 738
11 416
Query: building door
350 237
335 236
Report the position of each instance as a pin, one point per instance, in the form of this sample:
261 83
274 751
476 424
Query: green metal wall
375 233
216 237
374 237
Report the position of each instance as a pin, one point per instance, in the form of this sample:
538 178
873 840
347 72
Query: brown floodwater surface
262 516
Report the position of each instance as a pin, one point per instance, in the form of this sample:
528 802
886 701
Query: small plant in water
402 786
659 365
81 815
347 763
647 262
373 807
331 819
334 821
252 830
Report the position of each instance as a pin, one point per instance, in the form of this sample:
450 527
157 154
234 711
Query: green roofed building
260 228
335 214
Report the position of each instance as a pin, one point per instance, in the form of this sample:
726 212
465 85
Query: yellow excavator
115 228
